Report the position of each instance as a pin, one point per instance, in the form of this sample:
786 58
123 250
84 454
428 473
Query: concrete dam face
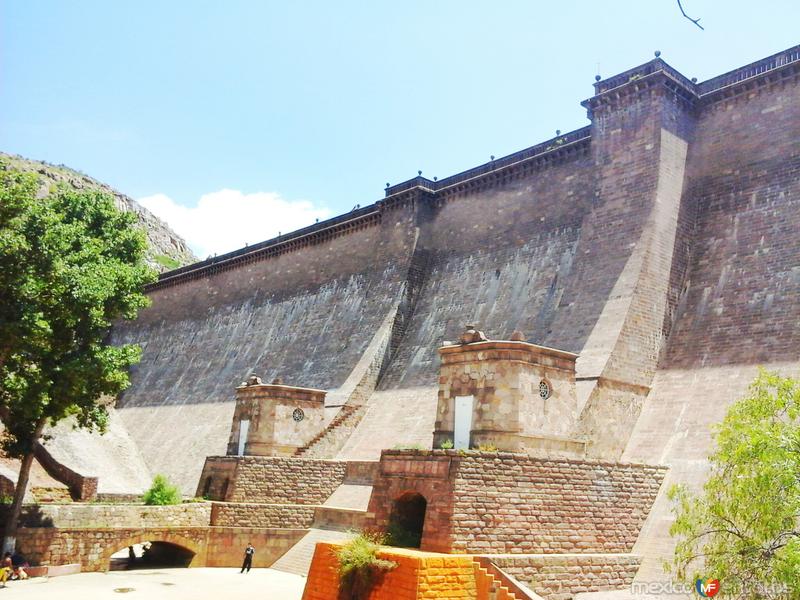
660 243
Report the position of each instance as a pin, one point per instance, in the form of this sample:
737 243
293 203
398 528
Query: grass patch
166 261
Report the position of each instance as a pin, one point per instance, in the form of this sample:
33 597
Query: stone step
298 559
328 442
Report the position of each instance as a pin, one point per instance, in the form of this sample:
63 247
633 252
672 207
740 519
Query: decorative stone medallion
544 389
298 414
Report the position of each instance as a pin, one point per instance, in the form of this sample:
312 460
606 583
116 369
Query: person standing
248 557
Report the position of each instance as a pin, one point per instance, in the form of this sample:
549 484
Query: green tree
70 264
743 528
162 492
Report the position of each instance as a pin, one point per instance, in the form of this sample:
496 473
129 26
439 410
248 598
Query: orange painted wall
418 576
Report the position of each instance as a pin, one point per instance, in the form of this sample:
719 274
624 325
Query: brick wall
262 515
510 503
273 480
556 577
418 575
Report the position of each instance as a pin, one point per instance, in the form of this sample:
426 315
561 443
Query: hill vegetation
166 249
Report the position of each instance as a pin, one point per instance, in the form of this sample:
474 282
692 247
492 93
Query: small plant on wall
162 492
359 566
446 444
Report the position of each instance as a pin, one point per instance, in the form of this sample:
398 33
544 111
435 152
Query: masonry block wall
271 480
561 577
293 516
76 516
503 503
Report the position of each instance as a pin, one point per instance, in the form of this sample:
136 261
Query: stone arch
115 544
407 519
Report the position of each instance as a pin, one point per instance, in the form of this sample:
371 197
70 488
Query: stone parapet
89 516
270 479
293 516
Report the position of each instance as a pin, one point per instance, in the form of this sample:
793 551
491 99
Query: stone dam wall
659 243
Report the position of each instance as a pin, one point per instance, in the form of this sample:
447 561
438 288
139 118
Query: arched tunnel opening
151 555
407 520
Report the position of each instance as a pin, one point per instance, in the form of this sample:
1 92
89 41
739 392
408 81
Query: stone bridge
212 546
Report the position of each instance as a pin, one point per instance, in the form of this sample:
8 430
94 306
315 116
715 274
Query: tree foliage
70 264
743 528
162 492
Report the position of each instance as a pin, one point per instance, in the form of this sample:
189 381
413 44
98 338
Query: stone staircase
330 440
492 583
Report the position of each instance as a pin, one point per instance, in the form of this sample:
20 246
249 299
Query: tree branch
695 21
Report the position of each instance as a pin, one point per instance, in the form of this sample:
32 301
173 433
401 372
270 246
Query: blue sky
236 120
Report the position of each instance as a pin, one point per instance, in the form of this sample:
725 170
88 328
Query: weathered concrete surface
113 457
306 316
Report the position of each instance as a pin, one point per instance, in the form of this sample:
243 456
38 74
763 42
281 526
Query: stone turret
274 419
509 394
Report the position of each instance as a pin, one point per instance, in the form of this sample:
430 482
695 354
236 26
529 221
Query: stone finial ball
657 53
597 78
517 336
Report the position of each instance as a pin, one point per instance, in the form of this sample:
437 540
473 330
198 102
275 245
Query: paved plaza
162 584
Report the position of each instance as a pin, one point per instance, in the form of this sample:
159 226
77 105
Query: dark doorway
407 520
151 555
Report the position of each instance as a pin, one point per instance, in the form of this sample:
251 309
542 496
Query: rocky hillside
167 249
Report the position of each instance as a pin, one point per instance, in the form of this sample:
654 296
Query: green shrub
360 567
487 448
446 444
162 492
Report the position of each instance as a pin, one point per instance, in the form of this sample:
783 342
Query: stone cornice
501 345
545 153
744 78
639 82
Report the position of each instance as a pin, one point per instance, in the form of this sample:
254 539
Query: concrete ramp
298 559
394 418
350 496
111 457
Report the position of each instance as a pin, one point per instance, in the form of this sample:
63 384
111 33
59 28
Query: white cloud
228 219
